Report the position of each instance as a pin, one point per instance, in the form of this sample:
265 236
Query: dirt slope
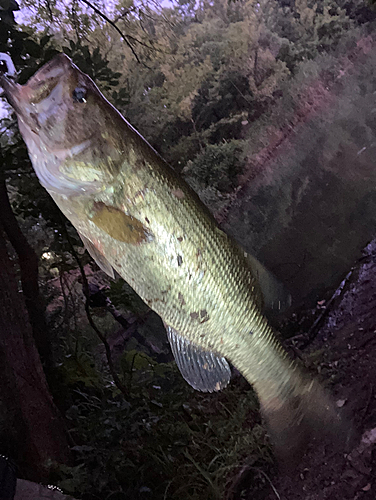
306 204
345 353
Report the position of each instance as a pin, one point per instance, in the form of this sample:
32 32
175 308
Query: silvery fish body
137 216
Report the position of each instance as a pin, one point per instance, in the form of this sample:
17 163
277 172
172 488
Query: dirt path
345 353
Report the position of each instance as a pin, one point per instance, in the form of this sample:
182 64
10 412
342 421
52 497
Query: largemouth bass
137 216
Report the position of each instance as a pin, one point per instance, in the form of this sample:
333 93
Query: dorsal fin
98 257
203 370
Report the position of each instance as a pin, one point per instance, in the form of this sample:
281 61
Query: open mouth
34 95
11 89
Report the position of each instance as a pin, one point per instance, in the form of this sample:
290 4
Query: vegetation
207 84
135 446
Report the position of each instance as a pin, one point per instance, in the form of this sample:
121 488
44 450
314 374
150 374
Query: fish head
55 102
65 122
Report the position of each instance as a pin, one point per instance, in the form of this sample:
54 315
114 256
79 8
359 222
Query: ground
26 490
344 352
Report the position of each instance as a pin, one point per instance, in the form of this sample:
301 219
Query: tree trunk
28 262
36 431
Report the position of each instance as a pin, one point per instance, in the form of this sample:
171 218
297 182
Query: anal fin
203 370
98 257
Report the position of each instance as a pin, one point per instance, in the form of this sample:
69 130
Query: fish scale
141 219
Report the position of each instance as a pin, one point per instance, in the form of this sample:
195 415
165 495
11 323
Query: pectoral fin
203 370
98 257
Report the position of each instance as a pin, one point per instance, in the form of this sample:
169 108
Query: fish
138 217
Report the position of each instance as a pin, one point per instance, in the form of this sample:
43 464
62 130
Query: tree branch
108 20
125 13
85 288
28 262
313 331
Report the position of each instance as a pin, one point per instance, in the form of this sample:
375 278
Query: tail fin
310 413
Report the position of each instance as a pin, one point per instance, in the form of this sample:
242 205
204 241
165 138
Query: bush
217 166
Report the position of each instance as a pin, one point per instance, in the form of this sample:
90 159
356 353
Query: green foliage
135 360
7 7
217 166
122 293
79 369
95 65
133 449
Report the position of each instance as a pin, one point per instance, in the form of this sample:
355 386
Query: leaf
96 55
23 35
83 448
135 360
32 48
26 74
86 53
4 4
161 369
50 53
9 5
44 40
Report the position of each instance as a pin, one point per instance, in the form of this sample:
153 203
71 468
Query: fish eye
79 94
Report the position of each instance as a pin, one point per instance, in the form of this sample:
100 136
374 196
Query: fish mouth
56 67
11 90
44 107
37 95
